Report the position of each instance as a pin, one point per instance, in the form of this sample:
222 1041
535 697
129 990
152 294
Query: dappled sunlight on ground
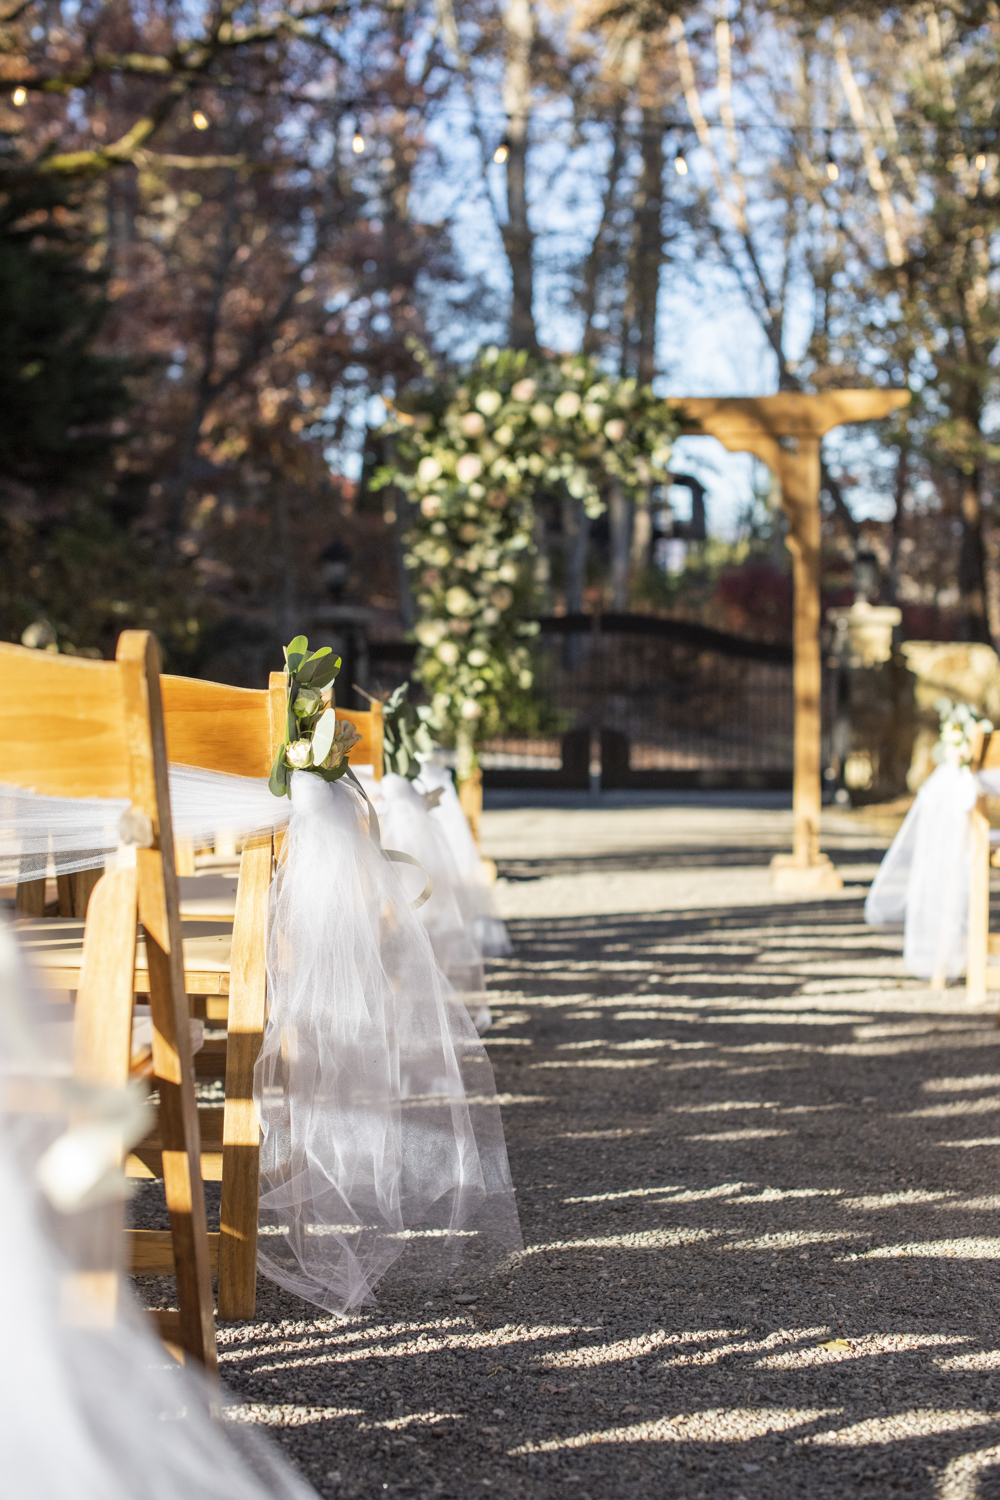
757 1263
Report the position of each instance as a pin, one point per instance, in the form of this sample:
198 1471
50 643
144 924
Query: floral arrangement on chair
313 741
961 725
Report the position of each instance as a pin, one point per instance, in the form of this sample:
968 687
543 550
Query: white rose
469 467
299 754
477 658
523 391
615 430
458 601
490 615
429 632
430 505
525 679
507 572
447 652
541 414
567 405
428 470
504 435
593 413
307 701
471 709
473 424
489 402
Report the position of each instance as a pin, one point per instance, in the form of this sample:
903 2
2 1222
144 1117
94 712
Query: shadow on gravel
757 1177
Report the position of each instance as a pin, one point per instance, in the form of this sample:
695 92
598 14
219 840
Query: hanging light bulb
502 152
981 162
20 96
199 120
358 143
832 170
680 164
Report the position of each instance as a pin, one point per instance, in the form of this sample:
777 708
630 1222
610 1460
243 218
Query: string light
20 96
680 164
832 170
199 120
981 162
358 143
502 152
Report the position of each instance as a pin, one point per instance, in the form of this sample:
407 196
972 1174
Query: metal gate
655 703
668 704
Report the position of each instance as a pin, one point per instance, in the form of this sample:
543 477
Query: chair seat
53 946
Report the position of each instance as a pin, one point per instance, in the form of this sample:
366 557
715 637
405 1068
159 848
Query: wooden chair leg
159 911
241 1128
29 899
979 908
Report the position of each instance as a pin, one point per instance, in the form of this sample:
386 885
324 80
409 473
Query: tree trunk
639 345
519 24
576 535
620 517
972 562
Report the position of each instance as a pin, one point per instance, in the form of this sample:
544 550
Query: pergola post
785 432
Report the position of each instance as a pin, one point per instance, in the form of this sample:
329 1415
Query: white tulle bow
923 881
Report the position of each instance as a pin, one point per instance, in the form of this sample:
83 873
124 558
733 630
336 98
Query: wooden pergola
785 431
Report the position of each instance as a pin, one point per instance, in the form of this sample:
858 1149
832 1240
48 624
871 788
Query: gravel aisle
756 1173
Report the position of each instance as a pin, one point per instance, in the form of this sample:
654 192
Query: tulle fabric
449 915
923 880
477 895
381 1128
99 1413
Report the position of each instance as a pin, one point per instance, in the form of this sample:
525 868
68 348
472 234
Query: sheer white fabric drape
381 1130
100 1412
923 881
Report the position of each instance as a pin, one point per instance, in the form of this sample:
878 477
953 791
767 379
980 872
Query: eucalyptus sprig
313 741
405 736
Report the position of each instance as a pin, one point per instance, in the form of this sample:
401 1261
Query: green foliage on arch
473 451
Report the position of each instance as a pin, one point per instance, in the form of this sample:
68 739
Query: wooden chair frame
238 731
980 975
104 737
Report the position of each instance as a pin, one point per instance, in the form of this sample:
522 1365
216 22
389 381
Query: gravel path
756 1171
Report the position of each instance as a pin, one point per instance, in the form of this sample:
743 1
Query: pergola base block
790 877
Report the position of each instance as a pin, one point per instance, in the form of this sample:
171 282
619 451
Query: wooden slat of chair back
116 710
62 725
368 723
222 728
985 751
237 731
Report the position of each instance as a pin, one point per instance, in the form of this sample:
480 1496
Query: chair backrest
985 750
369 751
238 730
221 728
64 728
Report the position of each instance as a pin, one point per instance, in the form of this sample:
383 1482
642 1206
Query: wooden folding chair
102 736
234 730
980 975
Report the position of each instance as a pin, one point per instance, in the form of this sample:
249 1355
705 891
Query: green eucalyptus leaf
278 780
296 653
336 773
325 672
323 736
308 670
